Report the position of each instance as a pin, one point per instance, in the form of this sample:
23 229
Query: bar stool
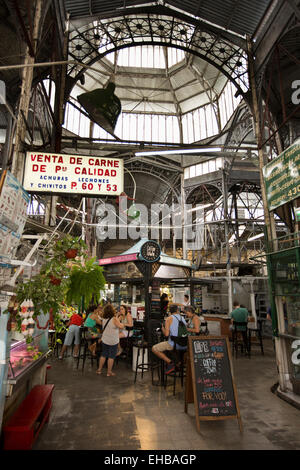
179 372
84 343
258 333
142 347
204 328
128 343
240 338
60 338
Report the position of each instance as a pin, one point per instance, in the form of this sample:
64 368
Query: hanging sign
209 380
73 174
13 214
282 177
118 259
150 251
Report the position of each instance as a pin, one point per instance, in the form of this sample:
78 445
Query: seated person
93 319
126 319
170 329
239 314
193 324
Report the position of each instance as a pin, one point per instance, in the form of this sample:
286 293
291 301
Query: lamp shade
132 212
102 106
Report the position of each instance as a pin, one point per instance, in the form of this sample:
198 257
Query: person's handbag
100 339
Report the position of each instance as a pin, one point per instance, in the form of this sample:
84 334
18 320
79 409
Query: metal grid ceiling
239 16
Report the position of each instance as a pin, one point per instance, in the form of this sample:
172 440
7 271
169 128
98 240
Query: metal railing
291 240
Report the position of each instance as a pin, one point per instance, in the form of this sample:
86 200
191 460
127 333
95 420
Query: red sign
119 259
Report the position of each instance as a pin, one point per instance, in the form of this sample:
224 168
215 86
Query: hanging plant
54 280
47 290
71 253
69 247
86 281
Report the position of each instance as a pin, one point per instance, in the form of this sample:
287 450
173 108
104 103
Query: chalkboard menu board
210 382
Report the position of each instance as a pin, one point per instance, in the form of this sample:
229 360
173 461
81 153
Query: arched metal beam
159 177
89 44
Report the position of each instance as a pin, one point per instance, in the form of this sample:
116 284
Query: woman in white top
110 339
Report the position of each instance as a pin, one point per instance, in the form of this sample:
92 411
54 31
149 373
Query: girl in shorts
73 334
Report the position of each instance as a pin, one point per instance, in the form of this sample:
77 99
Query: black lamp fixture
102 106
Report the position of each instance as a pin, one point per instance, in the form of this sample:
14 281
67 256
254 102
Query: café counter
224 322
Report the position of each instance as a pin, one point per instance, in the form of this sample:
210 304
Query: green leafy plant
43 293
86 281
69 244
74 279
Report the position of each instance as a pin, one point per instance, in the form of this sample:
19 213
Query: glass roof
166 94
146 57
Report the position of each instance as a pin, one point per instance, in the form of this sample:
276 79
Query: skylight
147 57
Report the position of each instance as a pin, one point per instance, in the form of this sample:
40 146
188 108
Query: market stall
138 274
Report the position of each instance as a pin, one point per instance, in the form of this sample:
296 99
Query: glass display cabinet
23 355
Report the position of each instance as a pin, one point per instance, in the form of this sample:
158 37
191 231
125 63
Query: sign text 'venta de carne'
75 174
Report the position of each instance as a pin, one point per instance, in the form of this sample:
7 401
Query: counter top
216 315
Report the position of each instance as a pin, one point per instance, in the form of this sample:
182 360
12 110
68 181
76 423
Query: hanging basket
71 253
55 281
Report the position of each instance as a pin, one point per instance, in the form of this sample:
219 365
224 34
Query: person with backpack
176 332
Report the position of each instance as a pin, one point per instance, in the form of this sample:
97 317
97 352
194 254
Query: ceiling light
179 151
255 237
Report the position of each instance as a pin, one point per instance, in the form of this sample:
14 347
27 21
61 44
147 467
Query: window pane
199 169
192 171
162 128
212 166
205 168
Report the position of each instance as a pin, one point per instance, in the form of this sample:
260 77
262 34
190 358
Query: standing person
164 302
239 314
127 320
186 300
110 339
95 313
170 329
73 333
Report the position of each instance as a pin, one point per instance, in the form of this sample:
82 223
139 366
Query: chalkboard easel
209 380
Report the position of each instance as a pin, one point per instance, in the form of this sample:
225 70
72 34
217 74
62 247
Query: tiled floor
113 413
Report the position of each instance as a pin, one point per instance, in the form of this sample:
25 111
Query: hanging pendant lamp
132 212
102 106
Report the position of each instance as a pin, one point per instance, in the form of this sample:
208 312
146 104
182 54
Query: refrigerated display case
25 360
26 367
23 355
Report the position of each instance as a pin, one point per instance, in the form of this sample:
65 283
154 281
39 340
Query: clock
150 251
